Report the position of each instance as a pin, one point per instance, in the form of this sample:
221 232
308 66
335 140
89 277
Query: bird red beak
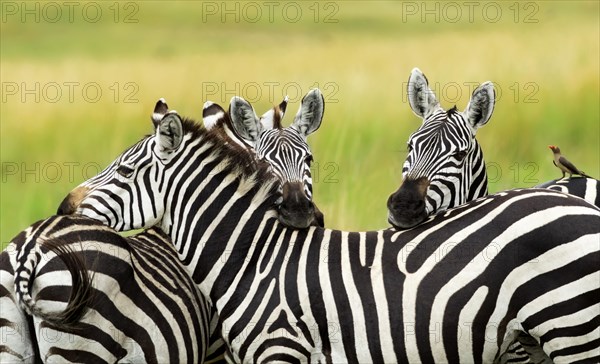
551 147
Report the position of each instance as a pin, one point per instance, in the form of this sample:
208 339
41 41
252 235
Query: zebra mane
451 111
253 174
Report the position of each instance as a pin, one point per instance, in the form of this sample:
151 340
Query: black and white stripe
130 301
444 167
286 151
586 188
458 288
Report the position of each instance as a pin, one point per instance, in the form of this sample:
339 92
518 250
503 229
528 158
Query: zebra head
285 149
445 166
129 193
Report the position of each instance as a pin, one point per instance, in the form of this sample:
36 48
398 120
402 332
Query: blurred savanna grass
543 57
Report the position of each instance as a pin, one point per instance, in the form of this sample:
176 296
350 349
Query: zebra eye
125 171
409 147
460 155
309 159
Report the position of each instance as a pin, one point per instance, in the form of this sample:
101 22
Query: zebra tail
82 291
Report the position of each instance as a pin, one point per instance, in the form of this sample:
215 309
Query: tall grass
547 72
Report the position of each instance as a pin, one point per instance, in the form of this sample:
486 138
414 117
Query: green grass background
547 72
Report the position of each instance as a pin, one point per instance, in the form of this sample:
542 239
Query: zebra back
140 303
583 187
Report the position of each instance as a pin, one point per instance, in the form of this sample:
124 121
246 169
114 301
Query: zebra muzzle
296 209
406 206
69 205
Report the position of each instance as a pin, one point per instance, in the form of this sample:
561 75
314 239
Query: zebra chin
301 219
402 222
296 209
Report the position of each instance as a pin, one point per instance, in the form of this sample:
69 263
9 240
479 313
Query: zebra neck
217 202
478 180
221 248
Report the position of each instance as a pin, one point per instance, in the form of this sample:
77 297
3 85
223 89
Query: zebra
297 209
162 109
283 148
94 296
458 288
444 167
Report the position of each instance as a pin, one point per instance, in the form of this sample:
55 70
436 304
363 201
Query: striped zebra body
141 305
459 287
586 188
445 166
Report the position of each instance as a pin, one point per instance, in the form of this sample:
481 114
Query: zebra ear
480 107
169 132
310 114
244 119
212 114
421 98
272 118
160 110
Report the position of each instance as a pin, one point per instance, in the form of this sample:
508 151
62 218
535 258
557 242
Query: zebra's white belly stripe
573 340
560 294
551 260
575 318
